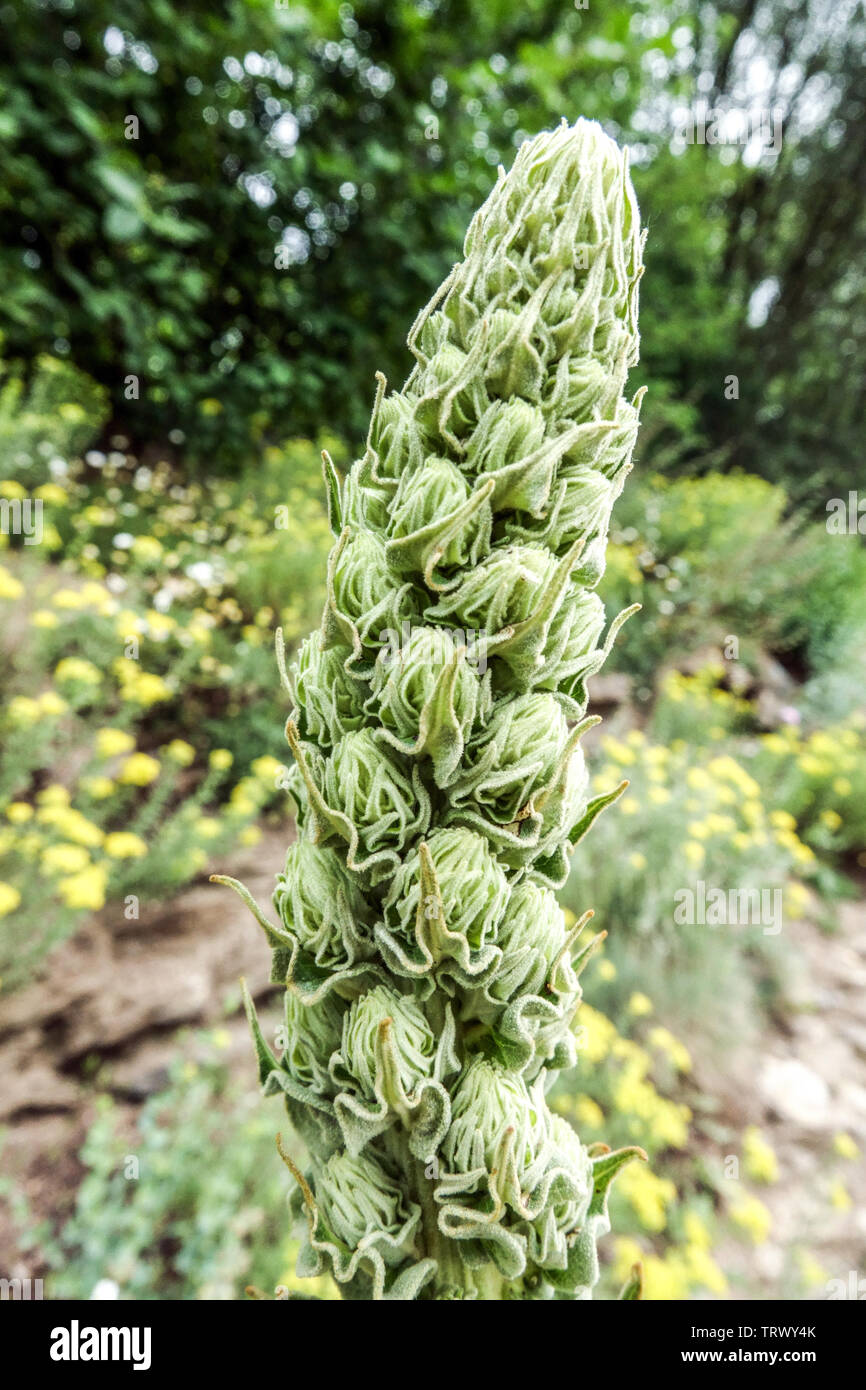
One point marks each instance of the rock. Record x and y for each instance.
(796, 1092)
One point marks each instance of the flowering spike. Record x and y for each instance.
(431, 981)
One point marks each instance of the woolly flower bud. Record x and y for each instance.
(367, 784)
(427, 517)
(499, 592)
(328, 697)
(320, 903)
(507, 432)
(489, 1101)
(362, 596)
(366, 503)
(396, 445)
(411, 1039)
(427, 696)
(472, 887)
(516, 754)
(451, 400)
(532, 936)
(313, 1033)
(357, 1198)
(571, 640)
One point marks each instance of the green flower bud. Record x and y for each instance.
(396, 444)
(451, 398)
(366, 783)
(362, 597)
(358, 1200)
(514, 756)
(472, 889)
(427, 696)
(312, 1034)
(366, 503)
(411, 1041)
(322, 906)
(501, 591)
(435, 524)
(532, 936)
(488, 1102)
(329, 699)
(571, 646)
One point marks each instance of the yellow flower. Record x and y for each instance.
(76, 669)
(68, 598)
(146, 548)
(180, 752)
(675, 1050)
(43, 617)
(53, 795)
(648, 1195)
(783, 820)
(10, 587)
(844, 1145)
(751, 1216)
(208, 827)
(637, 860)
(21, 711)
(11, 488)
(640, 1005)
(111, 742)
(659, 796)
(97, 787)
(250, 835)
(160, 624)
(72, 825)
(266, 768)
(597, 1034)
(628, 806)
(842, 786)
(759, 1158)
(221, 759)
(813, 1274)
(52, 703)
(795, 899)
(840, 1197)
(124, 844)
(85, 889)
(694, 852)
(9, 899)
(19, 811)
(588, 1113)
(831, 819)
(606, 970)
(54, 493)
(696, 1231)
(139, 770)
(64, 859)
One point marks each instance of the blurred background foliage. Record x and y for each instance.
(298, 183)
(354, 141)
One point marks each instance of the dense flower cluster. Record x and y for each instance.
(440, 785)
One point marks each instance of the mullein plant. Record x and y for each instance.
(431, 980)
